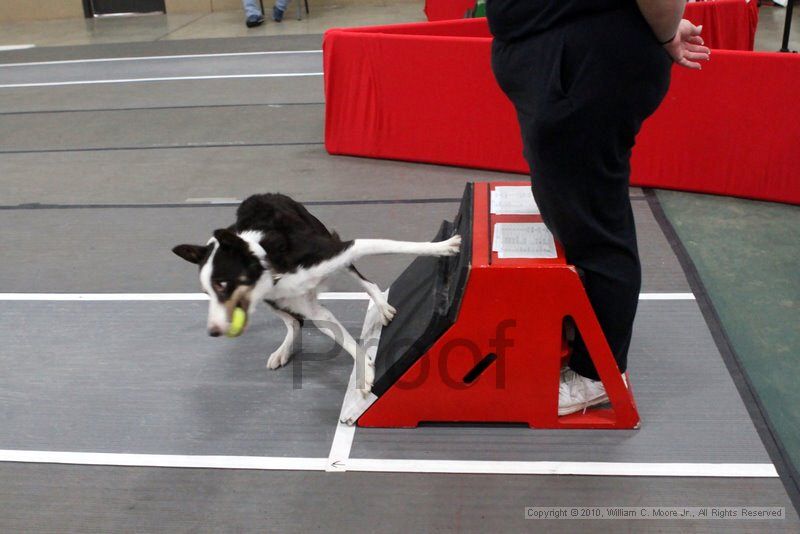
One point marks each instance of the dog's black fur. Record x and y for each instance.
(292, 236)
(277, 252)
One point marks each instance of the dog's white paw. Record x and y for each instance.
(387, 312)
(451, 247)
(279, 358)
(349, 421)
(369, 379)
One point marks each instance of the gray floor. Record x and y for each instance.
(771, 23)
(161, 128)
(149, 266)
(108, 499)
(254, 64)
(674, 368)
(143, 377)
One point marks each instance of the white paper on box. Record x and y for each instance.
(523, 240)
(513, 200)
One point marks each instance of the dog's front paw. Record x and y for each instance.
(279, 358)
(451, 247)
(369, 379)
(349, 421)
(387, 313)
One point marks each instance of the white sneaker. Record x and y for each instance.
(576, 392)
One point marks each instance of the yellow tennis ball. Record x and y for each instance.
(238, 320)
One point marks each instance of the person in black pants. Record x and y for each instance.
(583, 75)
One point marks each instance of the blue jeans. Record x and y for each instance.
(253, 7)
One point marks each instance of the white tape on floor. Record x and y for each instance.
(343, 437)
(564, 468)
(149, 58)
(666, 296)
(8, 48)
(160, 79)
(149, 297)
(214, 200)
(165, 460)
(354, 402)
(89, 297)
(346, 295)
(273, 463)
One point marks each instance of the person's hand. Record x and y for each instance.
(686, 48)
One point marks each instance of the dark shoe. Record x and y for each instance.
(254, 20)
(277, 14)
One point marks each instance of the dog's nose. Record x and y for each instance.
(214, 331)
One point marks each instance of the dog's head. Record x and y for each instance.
(231, 267)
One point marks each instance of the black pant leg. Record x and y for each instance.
(581, 93)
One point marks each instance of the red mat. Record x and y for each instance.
(729, 24)
(425, 92)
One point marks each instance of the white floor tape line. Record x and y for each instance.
(8, 48)
(354, 403)
(165, 460)
(160, 79)
(267, 463)
(666, 296)
(214, 200)
(148, 58)
(149, 297)
(93, 297)
(564, 468)
(346, 295)
(343, 438)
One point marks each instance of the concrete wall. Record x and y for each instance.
(188, 6)
(17, 10)
(13, 10)
(222, 5)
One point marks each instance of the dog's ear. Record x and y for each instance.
(227, 238)
(191, 253)
(275, 243)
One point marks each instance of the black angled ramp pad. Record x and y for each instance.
(427, 296)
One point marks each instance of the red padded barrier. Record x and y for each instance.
(728, 24)
(447, 9)
(427, 99)
(447, 28)
(716, 132)
(433, 98)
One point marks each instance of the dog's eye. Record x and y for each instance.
(219, 287)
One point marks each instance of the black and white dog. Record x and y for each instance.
(277, 252)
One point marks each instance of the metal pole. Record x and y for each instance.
(787, 26)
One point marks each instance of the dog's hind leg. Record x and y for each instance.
(309, 278)
(371, 247)
(387, 310)
(330, 326)
(283, 354)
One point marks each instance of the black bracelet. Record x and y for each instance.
(668, 40)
